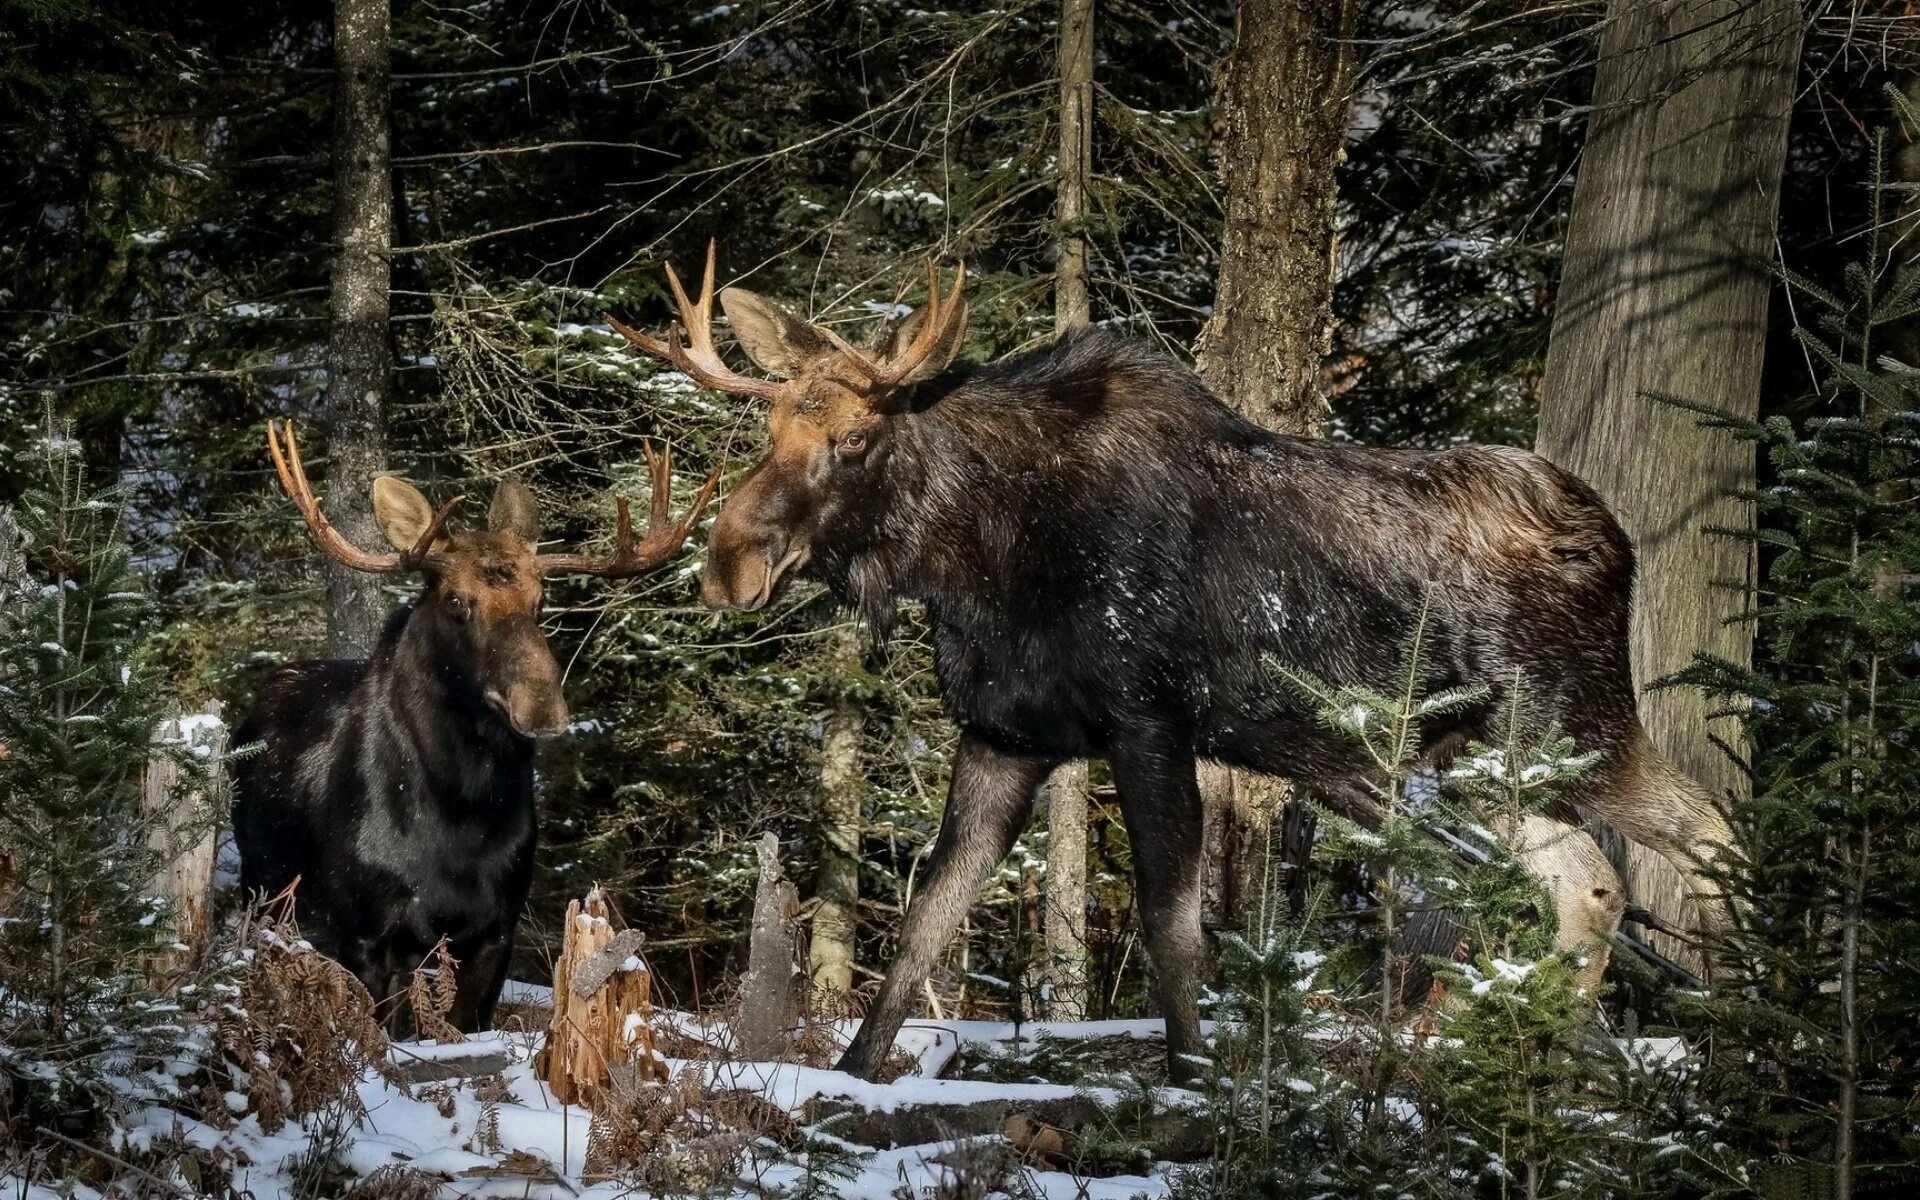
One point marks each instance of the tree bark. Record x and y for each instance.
(183, 829)
(1284, 103)
(1663, 289)
(836, 912)
(1064, 971)
(358, 357)
(1902, 340)
(766, 990)
(1065, 927)
(1071, 307)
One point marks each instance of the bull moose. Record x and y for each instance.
(398, 790)
(1112, 560)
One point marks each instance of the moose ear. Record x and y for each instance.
(778, 342)
(400, 511)
(514, 511)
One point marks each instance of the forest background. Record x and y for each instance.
(174, 263)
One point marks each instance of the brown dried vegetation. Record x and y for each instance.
(678, 1135)
(301, 1030)
(431, 999)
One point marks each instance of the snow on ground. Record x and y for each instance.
(541, 1149)
(503, 1135)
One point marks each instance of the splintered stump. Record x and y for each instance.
(766, 990)
(601, 1006)
(181, 808)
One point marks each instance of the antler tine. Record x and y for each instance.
(696, 355)
(696, 316)
(422, 553)
(660, 482)
(933, 330)
(293, 477)
(664, 534)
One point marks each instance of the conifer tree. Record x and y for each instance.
(77, 712)
(1817, 1047)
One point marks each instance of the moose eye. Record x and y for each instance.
(457, 607)
(853, 444)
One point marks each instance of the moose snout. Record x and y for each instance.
(737, 583)
(523, 686)
(533, 712)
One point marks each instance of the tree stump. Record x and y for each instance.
(601, 1006)
(766, 990)
(182, 816)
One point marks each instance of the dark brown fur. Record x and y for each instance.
(399, 790)
(1116, 565)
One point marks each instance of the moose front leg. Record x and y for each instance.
(1160, 800)
(481, 973)
(988, 801)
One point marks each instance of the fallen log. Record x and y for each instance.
(1176, 1135)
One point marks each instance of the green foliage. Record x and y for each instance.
(1325, 1085)
(1819, 978)
(77, 712)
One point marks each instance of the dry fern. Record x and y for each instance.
(432, 999)
(397, 1183)
(301, 1031)
(680, 1135)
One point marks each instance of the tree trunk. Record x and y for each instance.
(1071, 309)
(1902, 340)
(836, 914)
(1065, 927)
(183, 826)
(1284, 102)
(358, 358)
(602, 1007)
(1662, 289)
(1064, 971)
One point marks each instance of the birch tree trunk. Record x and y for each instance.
(1285, 102)
(358, 358)
(1064, 916)
(1663, 289)
(836, 915)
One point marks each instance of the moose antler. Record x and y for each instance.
(293, 477)
(697, 356)
(664, 535)
(936, 325)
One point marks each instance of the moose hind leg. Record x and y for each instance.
(1160, 800)
(988, 802)
(1584, 888)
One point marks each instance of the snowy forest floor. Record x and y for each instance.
(966, 1117)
